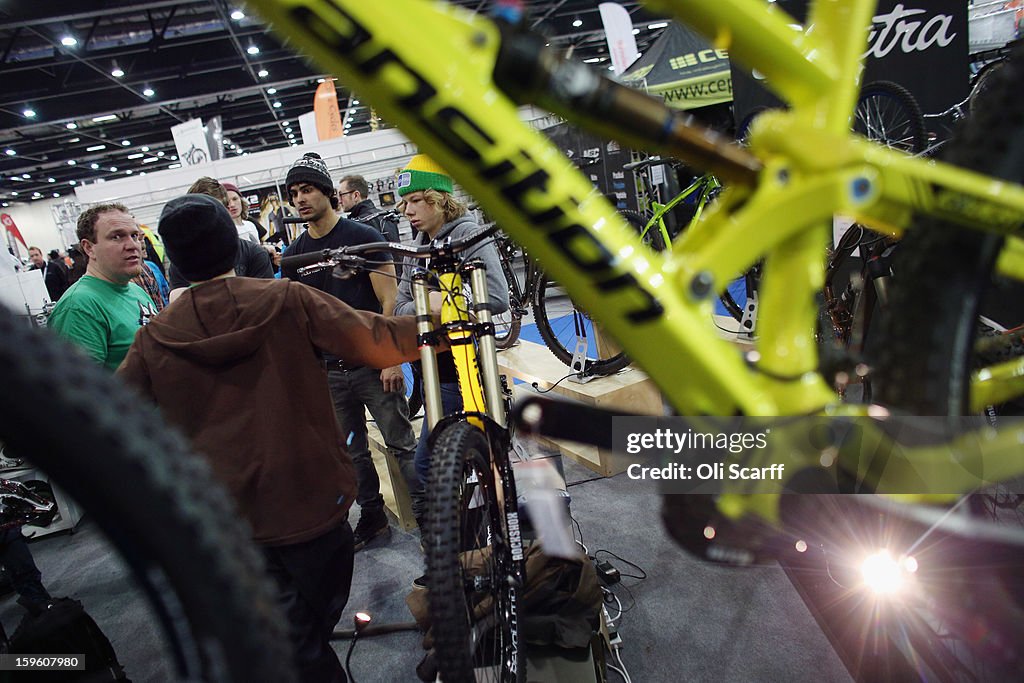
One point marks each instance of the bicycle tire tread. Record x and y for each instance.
(152, 497)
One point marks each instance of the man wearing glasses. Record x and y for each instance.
(353, 193)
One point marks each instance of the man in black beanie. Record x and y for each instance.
(355, 388)
(225, 349)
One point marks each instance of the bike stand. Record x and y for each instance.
(579, 363)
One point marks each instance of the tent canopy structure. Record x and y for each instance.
(683, 69)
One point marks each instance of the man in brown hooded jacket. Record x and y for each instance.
(221, 353)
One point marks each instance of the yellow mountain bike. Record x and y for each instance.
(451, 80)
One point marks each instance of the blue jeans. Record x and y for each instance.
(451, 402)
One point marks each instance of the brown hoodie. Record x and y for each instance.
(216, 358)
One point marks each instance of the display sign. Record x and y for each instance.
(190, 142)
(618, 29)
(919, 44)
(601, 161)
(328, 116)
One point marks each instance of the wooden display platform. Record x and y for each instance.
(392, 484)
(630, 391)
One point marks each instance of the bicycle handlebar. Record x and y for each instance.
(354, 255)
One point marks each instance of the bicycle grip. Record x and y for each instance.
(300, 260)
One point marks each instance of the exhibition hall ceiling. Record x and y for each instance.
(91, 88)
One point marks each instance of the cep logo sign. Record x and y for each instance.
(694, 58)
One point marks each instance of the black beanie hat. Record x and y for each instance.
(199, 235)
(310, 169)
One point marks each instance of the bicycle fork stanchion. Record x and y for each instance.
(455, 319)
(427, 342)
(488, 356)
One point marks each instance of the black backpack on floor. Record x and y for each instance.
(64, 628)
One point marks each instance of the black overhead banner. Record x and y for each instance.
(920, 44)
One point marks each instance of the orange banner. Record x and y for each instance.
(325, 107)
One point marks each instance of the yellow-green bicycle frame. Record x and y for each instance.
(428, 67)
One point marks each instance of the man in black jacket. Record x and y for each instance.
(353, 194)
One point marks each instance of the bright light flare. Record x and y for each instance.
(884, 574)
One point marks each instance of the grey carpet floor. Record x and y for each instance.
(687, 621)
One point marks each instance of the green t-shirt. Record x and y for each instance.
(102, 317)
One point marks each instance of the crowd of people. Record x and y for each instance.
(223, 336)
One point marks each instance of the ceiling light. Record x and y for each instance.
(291, 136)
(105, 117)
(636, 31)
(319, 80)
(128, 172)
(137, 155)
(592, 60)
(355, 101)
(174, 166)
(148, 92)
(149, 160)
(10, 152)
(5, 204)
(277, 105)
(69, 41)
(262, 73)
(51, 180)
(29, 113)
(14, 194)
(238, 15)
(142, 173)
(71, 126)
(577, 22)
(160, 153)
(113, 169)
(271, 91)
(56, 194)
(94, 166)
(144, 148)
(660, 24)
(288, 130)
(253, 50)
(95, 148)
(74, 140)
(72, 182)
(117, 72)
(174, 157)
(126, 143)
(36, 194)
(26, 176)
(71, 162)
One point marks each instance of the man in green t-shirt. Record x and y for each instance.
(104, 309)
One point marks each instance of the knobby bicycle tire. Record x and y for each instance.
(654, 239)
(155, 500)
(508, 324)
(473, 613)
(887, 113)
(926, 365)
(581, 327)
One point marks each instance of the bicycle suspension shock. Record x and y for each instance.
(532, 73)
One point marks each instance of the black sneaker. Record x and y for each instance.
(420, 582)
(370, 526)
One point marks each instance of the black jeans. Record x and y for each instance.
(354, 392)
(313, 580)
